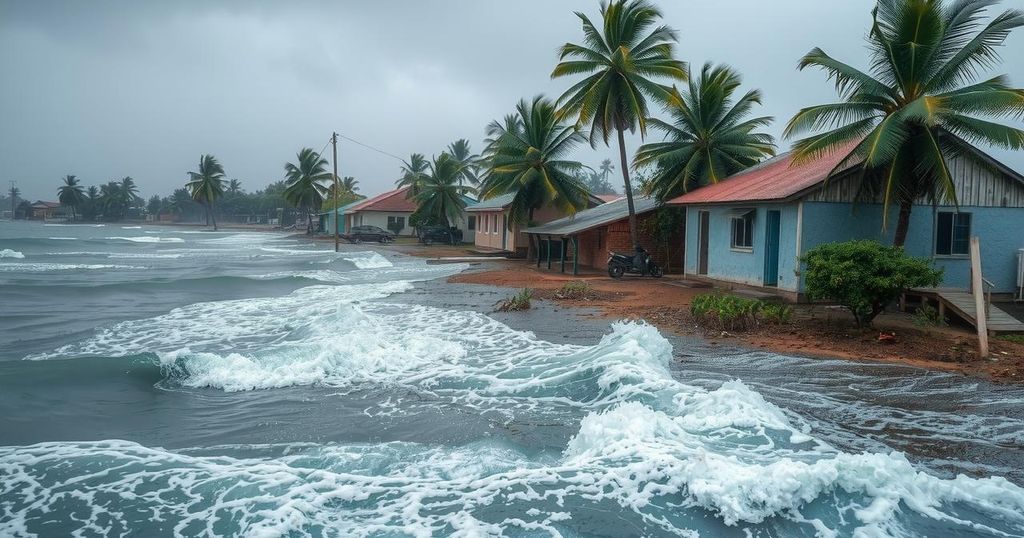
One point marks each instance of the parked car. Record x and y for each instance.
(440, 234)
(359, 234)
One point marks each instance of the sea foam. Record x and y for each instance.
(8, 253)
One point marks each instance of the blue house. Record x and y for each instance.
(751, 229)
(328, 218)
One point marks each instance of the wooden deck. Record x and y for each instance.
(961, 303)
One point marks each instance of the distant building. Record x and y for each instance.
(586, 238)
(41, 210)
(328, 218)
(391, 211)
(494, 231)
(752, 228)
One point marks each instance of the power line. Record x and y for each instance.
(367, 146)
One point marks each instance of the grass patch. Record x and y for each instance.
(517, 302)
(1015, 338)
(731, 313)
(576, 289)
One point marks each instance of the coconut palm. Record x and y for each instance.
(307, 183)
(529, 157)
(441, 193)
(234, 187)
(206, 185)
(711, 136)
(606, 168)
(70, 194)
(619, 62)
(91, 202)
(919, 104)
(14, 193)
(413, 173)
(459, 150)
(349, 184)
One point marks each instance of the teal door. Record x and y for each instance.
(771, 249)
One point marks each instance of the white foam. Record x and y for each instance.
(63, 238)
(131, 227)
(367, 260)
(76, 225)
(148, 239)
(44, 267)
(8, 253)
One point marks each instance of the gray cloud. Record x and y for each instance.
(108, 89)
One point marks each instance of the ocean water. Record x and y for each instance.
(166, 382)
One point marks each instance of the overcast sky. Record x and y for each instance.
(108, 89)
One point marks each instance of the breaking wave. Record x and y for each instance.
(8, 253)
(148, 239)
(44, 267)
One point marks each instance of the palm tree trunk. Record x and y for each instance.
(633, 232)
(902, 224)
(213, 216)
(309, 222)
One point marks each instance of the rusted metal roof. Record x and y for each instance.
(773, 180)
(393, 201)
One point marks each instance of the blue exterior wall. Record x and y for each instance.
(739, 266)
(1001, 230)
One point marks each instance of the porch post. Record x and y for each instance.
(575, 255)
(549, 251)
(561, 255)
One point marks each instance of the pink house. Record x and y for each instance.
(492, 228)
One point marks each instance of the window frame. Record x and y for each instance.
(955, 218)
(747, 220)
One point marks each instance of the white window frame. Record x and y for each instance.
(733, 244)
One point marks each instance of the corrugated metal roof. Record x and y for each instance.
(595, 217)
(344, 208)
(497, 202)
(389, 201)
(773, 180)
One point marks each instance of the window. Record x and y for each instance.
(952, 233)
(471, 222)
(396, 224)
(743, 231)
(494, 224)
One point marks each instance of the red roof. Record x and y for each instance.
(608, 197)
(774, 179)
(392, 201)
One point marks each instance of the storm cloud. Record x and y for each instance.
(108, 89)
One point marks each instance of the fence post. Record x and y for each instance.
(977, 289)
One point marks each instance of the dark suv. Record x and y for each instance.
(440, 234)
(358, 234)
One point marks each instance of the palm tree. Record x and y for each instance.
(307, 183)
(459, 150)
(528, 156)
(710, 137)
(234, 187)
(441, 192)
(918, 105)
(129, 194)
(70, 194)
(92, 202)
(207, 185)
(618, 63)
(349, 184)
(413, 173)
(606, 168)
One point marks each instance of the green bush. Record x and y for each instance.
(517, 302)
(725, 311)
(864, 276)
(927, 315)
(776, 313)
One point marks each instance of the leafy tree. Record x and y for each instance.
(441, 193)
(70, 194)
(596, 183)
(154, 206)
(900, 118)
(529, 157)
(307, 183)
(14, 193)
(711, 136)
(864, 276)
(468, 162)
(207, 184)
(91, 202)
(618, 62)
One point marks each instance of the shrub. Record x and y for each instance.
(864, 276)
(725, 311)
(927, 315)
(573, 290)
(1015, 338)
(777, 314)
(517, 302)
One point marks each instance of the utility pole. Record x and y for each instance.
(14, 198)
(334, 149)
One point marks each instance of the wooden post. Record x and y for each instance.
(562, 254)
(979, 297)
(549, 252)
(334, 149)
